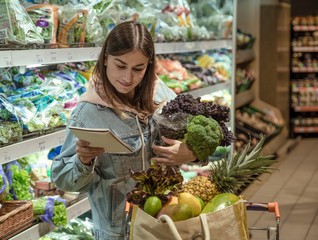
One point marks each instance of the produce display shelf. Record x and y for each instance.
(306, 108)
(40, 229)
(304, 69)
(33, 145)
(244, 56)
(244, 98)
(36, 57)
(26, 147)
(305, 129)
(210, 89)
(305, 28)
(306, 49)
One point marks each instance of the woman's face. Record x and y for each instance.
(126, 71)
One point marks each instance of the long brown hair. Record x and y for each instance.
(124, 38)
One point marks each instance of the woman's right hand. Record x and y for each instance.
(85, 153)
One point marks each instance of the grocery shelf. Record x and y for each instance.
(305, 28)
(33, 145)
(48, 141)
(304, 69)
(244, 98)
(305, 129)
(244, 56)
(305, 89)
(43, 228)
(177, 47)
(306, 108)
(275, 144)
(36, 57)
(210, 89)
(306, 49)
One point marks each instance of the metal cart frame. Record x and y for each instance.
(270, 207)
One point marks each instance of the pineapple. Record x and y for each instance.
(230, 175)
(201, 187)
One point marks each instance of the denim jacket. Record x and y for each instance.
(108, 180)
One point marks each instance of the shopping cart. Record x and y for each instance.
(270, 207)
(250, 206)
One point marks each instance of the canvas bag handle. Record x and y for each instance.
(174, 230)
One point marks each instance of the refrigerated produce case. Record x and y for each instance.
(38, 56)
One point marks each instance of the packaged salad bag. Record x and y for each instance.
(15, 24)
(45, 18)
(72, 25)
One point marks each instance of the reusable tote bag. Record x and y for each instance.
(225, 224)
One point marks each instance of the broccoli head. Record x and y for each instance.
(204, 135)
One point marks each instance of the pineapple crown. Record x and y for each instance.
(242, 169)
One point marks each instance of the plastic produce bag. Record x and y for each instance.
(51, 210)
(174, 126)
(15, 24)
(45, 17)
(72, 25)
(4, 185)
(76, 229)
(19, 180)
(10, 124)
(94, 33)
(26, 108)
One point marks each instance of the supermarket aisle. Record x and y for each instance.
(295, 188)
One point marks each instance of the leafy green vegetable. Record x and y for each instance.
(16, 25)
(159, 180)
(59, 214)
(20, 183)
(59, 210)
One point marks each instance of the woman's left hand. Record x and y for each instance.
(175, 154)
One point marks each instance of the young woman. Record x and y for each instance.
(123, 94)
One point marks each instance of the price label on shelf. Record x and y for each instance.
(6, 157)
(70, 56)
(42, 145)
(38, 59)
(53, 56)
(6, 59)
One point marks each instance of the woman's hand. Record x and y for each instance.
(177, 153)
(85, 153)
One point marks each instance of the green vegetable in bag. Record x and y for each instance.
(51, 210)
(15, 24)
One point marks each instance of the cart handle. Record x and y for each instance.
(270, 207)
(128, 206)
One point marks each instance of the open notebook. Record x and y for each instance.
(104, 138)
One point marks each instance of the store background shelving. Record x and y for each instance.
(269, 63)
(43, 57)
(303, 76)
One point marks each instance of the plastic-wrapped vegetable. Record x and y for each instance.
(10, 125)
(19, 180)
(45, 17)
(15, 24)
(72, 25)
(4, 185)
(51, 210)
(94, 33)
(76, 229)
